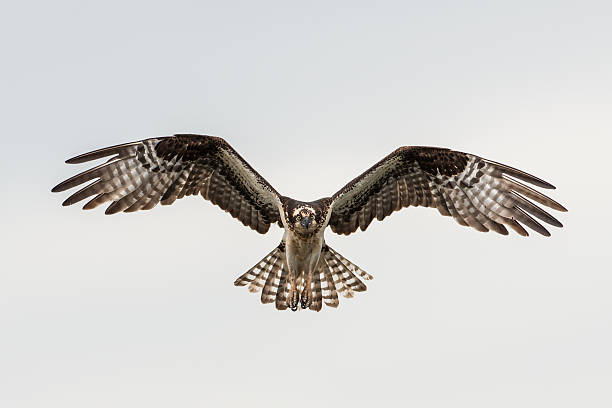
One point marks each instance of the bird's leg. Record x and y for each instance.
(293, 298)
(306, 298)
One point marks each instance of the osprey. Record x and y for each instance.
(303, 271)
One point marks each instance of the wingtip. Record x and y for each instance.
(59, 188)
(556, 206)
(554, 222)
(521, 175)
(77, 159)
(544, 184)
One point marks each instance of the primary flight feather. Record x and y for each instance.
(303, 271)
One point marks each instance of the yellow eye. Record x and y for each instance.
(298, 218)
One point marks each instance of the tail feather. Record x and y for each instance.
(328, 289)
(334, 274)
(256, 271)
(317, 297)
(349, 279)
(271, 263)
(283, 290)
(342, 270)
(351, 266)
(260, 279)
(338, 279)
(270, 289)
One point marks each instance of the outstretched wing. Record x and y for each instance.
(141, 174)
(476, 192)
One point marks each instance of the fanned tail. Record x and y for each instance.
(258, 274)
(334, 274)
(269, 275)
(351, 266)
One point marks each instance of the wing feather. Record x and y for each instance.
(476, 192)
(139, 175)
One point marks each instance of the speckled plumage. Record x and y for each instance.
(303, 271)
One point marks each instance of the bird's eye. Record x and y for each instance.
(298, 218)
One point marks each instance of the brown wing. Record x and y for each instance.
(476, 192)
(141, 174)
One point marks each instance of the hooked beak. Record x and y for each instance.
(306, 221)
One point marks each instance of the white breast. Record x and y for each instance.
(303, 255)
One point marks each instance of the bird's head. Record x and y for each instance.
(303, 219)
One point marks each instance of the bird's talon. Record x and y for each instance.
(293, 300)
(306, 299)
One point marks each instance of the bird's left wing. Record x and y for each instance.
(141, 174)
(476, 192)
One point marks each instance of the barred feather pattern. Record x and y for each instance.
(266, 275)
(476, 192)
(139, 175)
(334, 275)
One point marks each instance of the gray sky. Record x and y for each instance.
(140, 310)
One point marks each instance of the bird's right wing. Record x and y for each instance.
(141, 174)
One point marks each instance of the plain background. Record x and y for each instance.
(139, 309)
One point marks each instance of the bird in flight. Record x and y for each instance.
(303, 271)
